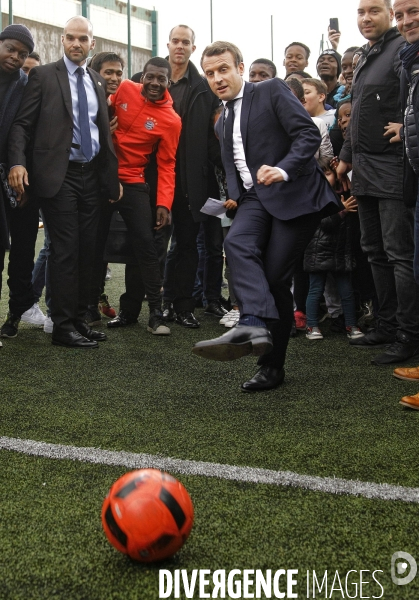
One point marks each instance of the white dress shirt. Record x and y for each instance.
(238, 148)
(93, 107)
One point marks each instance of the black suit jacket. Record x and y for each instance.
(277, 131)
(41, 135)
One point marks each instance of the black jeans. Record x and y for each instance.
(141, 278)
(387, 228)
(23, 226)
(72, 218)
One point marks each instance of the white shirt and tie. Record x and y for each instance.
(76, 154)
(238, 148)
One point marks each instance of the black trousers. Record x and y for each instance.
(261, 251)
(23, 227)
(72, 218)
(141, 278)
(182, 259)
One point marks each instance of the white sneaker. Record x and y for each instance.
(353, 333)
(33, 316)
(313, 333)
(234, 316)
(228, 316)
(48, 325)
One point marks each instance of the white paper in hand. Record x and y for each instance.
(214, 207)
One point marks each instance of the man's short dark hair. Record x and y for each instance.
(302, 74)
(35, 56)
(184, 27)
(157, 61)
(296, 86)
(267, 62)
(97, 60)
(217, 48)
(306, 48)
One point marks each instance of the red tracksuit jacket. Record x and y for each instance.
(144, 126)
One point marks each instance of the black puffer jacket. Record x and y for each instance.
(331, 246)
(410, 178)
(377, 164)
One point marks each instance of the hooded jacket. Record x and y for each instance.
(143, 127)
(377, 164)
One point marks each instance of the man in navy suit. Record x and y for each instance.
(268, 142)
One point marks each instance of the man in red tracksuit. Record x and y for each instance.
(146, 122)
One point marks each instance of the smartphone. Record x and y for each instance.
(334, 24)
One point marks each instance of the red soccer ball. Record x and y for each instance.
(148, 515)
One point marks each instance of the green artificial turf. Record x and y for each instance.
(52, 544)
(336, 415)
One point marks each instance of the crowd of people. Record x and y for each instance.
(316, 178)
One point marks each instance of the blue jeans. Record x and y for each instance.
(346, 293)
(387, 237)
(40, 273)
(209, 274)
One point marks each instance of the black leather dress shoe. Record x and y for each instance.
(72, 339)
(374, 338)
(123, 319)
(215, 309)
(240, 341)
(89, 333)
(267, 378)
(401, 350)
(187, 319)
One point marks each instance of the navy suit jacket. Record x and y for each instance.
(277, 131)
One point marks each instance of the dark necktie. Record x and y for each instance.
(228, 152)
(86, 138)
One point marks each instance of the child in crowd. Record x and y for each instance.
(330, 250)
(315, 92)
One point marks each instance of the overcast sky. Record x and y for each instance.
(248, 25)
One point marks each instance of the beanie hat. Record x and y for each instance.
(335, 55)
(19, 33)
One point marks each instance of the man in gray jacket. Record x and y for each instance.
(373, 150)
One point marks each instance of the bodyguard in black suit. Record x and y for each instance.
(60, 146)
(268, 142)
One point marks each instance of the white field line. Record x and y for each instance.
(330, 485)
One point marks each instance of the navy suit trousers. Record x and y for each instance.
(261, 251)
